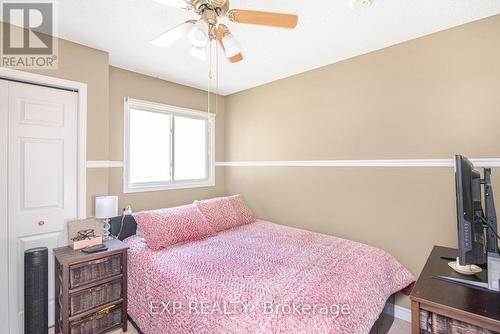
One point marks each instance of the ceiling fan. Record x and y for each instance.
(201, 32)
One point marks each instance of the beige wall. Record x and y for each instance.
(427, 98)
(123, 84)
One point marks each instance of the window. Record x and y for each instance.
(167, 147)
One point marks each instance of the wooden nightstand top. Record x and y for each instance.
(482, 304)
(66, 254)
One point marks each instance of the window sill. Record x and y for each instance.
(172, 186)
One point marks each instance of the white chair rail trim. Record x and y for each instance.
(490, 162)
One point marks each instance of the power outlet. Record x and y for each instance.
(127, 211)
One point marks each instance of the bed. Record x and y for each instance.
(261, 278)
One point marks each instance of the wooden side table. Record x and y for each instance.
(90, 289)
(437, 303)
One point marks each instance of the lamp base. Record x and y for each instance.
(106, 235)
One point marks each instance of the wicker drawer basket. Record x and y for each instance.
(94, 297)
(99, 322)
(432, 323)
(88, 272)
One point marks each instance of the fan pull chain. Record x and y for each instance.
(216, 73)
(209, 76)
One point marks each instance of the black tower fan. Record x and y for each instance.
(36, 310)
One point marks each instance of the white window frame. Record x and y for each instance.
(209, 181)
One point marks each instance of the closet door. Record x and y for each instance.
(42, 182)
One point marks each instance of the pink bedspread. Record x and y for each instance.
(261, 278)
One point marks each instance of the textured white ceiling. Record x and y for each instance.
(328, 31)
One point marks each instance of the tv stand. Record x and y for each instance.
(443, 302)
(489, 281)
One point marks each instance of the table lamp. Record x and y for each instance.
(106, 207)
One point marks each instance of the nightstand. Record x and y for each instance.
(90, 289)
(439, 306)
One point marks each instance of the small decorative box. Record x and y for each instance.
(85, 238)
(86, 243)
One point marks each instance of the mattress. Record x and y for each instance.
(261, 278)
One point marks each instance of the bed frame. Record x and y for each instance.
(129, 228)
(386, 318)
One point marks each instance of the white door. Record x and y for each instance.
(4, 276)
(42, 181)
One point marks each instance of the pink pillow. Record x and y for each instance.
(167, 227)
(223, 213)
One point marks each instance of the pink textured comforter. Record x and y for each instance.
(261, 278)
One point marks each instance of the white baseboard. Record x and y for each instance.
(402, 313)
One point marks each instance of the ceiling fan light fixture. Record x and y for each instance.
(198, 52)
(198, 35)
(231, 46)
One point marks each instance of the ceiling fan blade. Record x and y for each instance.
(174, 34)
(237, 58)
(263, 18)
(221, 30)
(174, 3)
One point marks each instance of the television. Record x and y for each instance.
(472, 244)
(477, 229)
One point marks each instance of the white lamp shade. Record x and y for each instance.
(198, 35)
(106, 207)
(231, 46)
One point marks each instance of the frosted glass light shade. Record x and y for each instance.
(106, 207)
(198, 35)
(231, 46)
